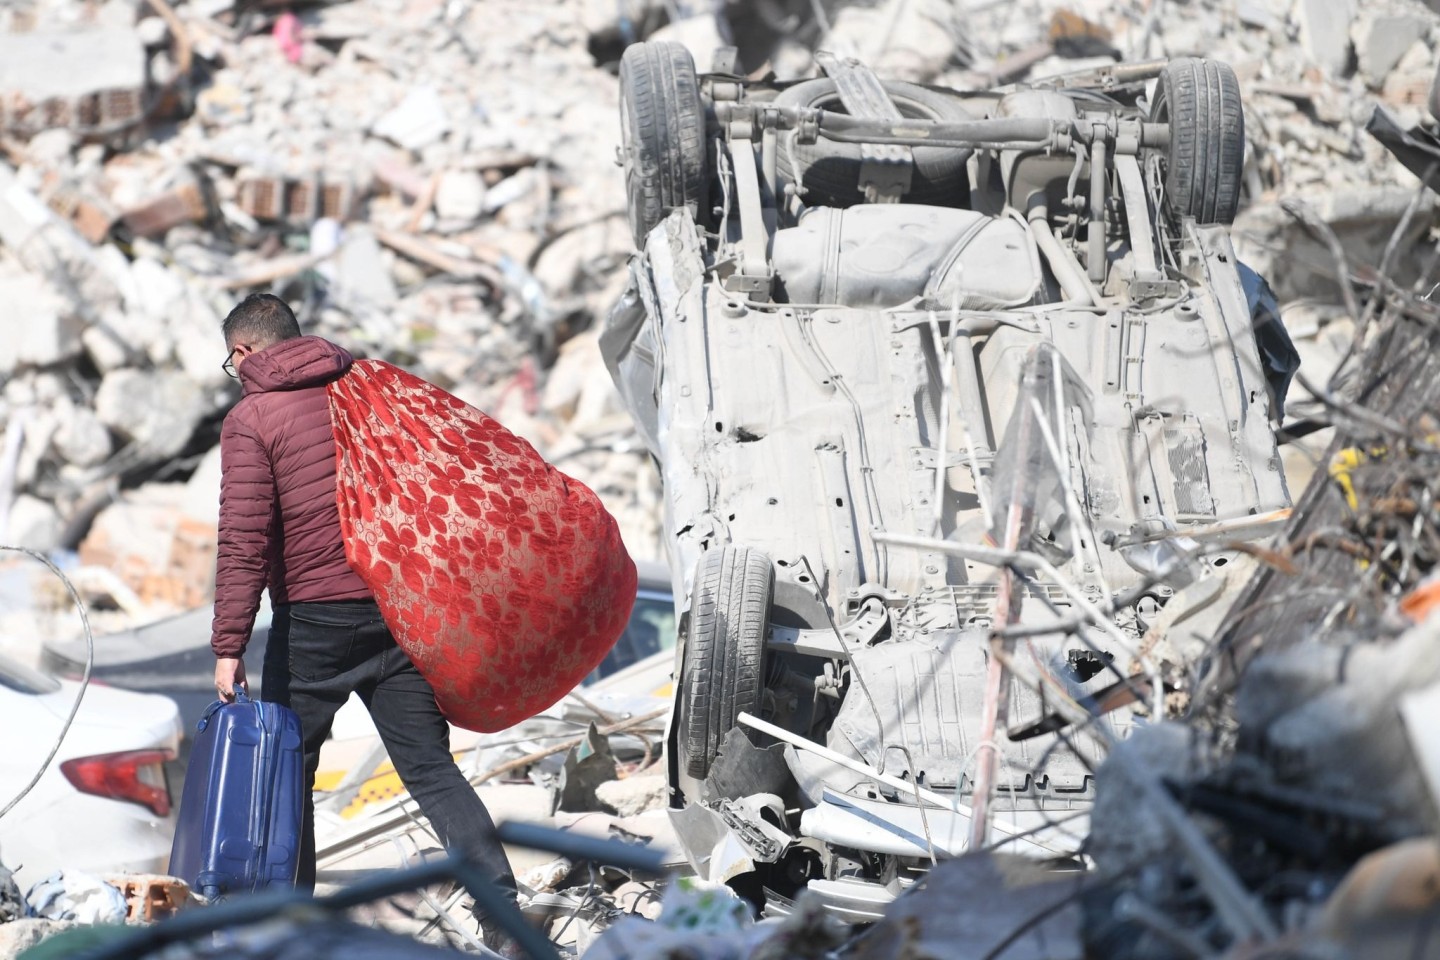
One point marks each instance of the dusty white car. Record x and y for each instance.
(103, 804)
(952, 394)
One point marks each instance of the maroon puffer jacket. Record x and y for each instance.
(279, 524)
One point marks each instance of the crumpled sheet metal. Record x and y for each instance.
(980, 906)
(1418, 149)
(882, 827)
(728, 838)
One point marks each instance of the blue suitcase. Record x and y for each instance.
(238, 829)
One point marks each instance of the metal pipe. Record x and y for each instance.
(949, 144)
(1098, 232)
(268, 904)
(993, 133)
(1067, 272)
(1091, 293)
(1033, 129)
(1010, 132)
(1240, 528)
(576, 846)
(952, 804)
(1105, 76)
(860, 767)
(994, 711)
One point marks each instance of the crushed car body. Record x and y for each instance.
(952, 396)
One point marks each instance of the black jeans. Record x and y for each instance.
(318, 653)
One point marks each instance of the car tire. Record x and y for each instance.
(662, 121)
(1204, 164)
(829, 170)
(722, 675)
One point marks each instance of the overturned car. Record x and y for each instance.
(952, 395)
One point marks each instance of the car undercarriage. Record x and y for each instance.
(953, 395)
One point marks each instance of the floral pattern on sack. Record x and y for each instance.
(504, 580)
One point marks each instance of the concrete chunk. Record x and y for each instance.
(148, 541)
(1124, 832)
(34, 524)
(81, 438)
(44, 331)
(156, 410)
(49, 246)
(45, 64)
(80, 79)
(460, 196)
(1381, 40)
(633, 795)
(362, 281)
(1261, 14)
(417, 121)
(1325, 32)
(103, 344)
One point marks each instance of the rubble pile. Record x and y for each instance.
(431, 184)
(606, 782)
(1306, 750)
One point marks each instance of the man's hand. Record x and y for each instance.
(229, 672)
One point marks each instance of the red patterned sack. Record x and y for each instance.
(504, 580)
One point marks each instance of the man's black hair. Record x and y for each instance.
(261, 320)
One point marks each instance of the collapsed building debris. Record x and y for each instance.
(1293, 751)
(220, 206)
(155, 235)
(457, 225)
(455, 218)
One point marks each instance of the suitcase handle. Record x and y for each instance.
(240, 697)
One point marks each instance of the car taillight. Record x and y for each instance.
(135, 775)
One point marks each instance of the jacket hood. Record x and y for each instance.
(293, 364)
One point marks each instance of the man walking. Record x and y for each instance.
(280, 528)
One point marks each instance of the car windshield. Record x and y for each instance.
(650, 630)
(17, 676)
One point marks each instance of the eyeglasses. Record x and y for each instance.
(229, 365)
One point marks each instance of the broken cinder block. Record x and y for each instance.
(297, 200)
(150, 897)
(91, 215)
(90, 81)
(184, 203)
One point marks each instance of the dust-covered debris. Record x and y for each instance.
(433, 184)
(256, 146)
(422, 184)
